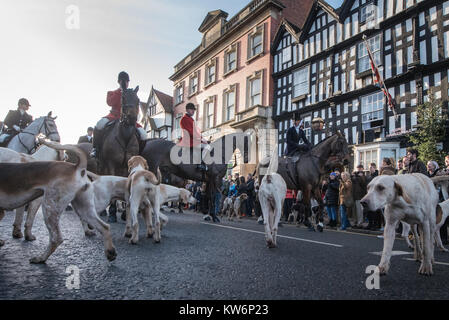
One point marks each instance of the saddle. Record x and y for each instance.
(5, 138)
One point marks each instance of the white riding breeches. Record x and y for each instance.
(142, 133)
(102, 123)
(3, 137)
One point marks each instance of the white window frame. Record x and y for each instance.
(372, 110)
(229, 105)
(305, 82)
(362, 53)
(179, 93)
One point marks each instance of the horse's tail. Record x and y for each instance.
(82, 158)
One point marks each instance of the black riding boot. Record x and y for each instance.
(97, 141)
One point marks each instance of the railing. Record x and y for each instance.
(253, 5)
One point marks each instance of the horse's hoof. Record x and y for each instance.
(2, 243)
(17, 233)
(270, 244)
(320, 228)
(132, 241)
(149, 235)
(111, 254)
(37, 260)
(30, 237)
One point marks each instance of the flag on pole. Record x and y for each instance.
(377, 80)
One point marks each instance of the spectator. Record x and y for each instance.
(346, 199)
(415, 165)
(400, 166)
(251, 195)
(332, 199)
(373, 171)
(243, 188)
(237, 180)
(443, 229)
(374, 217)
(232, 189)
(226, 185)
(387, 168)
(432, 168)
(288, 203)
(358, 191)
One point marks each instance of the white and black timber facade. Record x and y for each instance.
(323, 71)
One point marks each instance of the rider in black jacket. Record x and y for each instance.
(296, 138)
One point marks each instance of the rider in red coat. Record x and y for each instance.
(191, 135)
(114, 100)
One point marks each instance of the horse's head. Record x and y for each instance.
(339, 148)
(48, 127)
(130, 106)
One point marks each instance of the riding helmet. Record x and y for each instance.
(123, 76)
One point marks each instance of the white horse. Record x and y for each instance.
(25, 141)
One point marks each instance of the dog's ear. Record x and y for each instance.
(401, 193)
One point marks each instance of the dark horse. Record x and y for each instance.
(120, 142)
(159, 153)
(305, 174)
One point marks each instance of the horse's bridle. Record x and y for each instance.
(47, 132)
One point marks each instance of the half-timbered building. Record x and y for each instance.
(324, 71)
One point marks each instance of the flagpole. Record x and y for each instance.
(380, 80)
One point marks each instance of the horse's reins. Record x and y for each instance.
(30, 151)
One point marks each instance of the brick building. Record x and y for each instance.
(229, 75)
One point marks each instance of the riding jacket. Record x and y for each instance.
(189, 128)
(16, 118)
(293, 139)
(114, 100)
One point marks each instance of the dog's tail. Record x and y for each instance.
(82, 158)
(439, 179)
(151, 178)
(274, 162)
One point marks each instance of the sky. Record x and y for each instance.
(64, 55)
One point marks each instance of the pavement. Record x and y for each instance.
(197, 259)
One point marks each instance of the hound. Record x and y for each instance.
(142, 186)
(442, 213)
(43, 153)
(171, 193)
(236, 206)
(413, 199)
(228, 205)
(58, 183)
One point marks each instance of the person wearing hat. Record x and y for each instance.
(114, 100)
(191, 135)
(16, 120)
(88, 137)
(296, 138)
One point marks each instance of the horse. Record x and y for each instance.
(120, 141)
(306, 173)
(25, 141)
(160, 153)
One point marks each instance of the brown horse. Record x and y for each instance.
(120, 140)
(305, 174)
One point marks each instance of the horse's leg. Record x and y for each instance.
(17, 225)
(212, 191)
(2, 214)
(319, 214)
(306, 200)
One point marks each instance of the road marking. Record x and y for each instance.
(280, 236)
(393, 253)
(436, 262)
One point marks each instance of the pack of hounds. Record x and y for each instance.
(43, 180)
